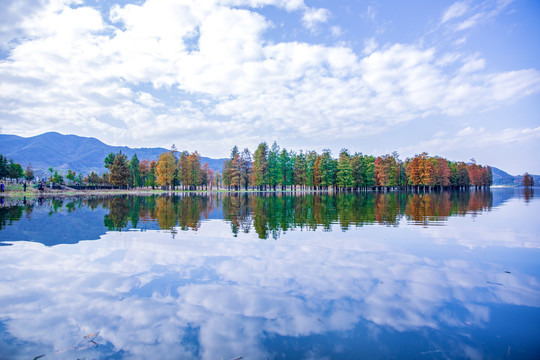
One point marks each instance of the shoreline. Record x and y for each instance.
(72, 192)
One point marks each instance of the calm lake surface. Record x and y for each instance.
(353, 276)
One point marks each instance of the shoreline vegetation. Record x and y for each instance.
(17, 191)
(267, 169)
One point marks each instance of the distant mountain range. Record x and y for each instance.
(85, 154)
(503, 178)
(81, 154)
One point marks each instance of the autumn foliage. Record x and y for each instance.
(273, 168)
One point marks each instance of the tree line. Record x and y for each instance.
(273, 168)
(14, 171)
(173, 170)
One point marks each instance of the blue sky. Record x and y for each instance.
(456, 79)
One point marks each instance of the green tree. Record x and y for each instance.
(463, 180)
(120, 171)
(232, 174)
(260, 166)
(93, 178)
(226, 171)
(300, 170)
(219, 179)
(183, 169)
(194, 170)
(344, 175)
(15, 170)
(286, 170)
(4, 168)
(135, 172)
(109, 160)
(151, 178)
(57, 178)
(311, 160)
(274, 168)
(71, 175)
(328, 167)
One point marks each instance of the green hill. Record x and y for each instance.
(81, 154)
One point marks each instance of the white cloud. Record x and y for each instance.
(336, 31)
(371, 12)
(470, 139)
(79, 72)
(313, 17)
(370, 45)
(455, 10)
(475, 15)
(473, 64)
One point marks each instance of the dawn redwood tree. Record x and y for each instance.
(144, 170)
(120, 171)
(463, 180)
(427, 170)
(475, 174)
(234, 173)
(386, 170)
(527, 180)
(151, 178)
(286, 170)
(311, 159)
(259, 175)
(246, 167)
(193, 164)
(344, 174)
(183, 169)
(443, 174)
(165, 169)
(487, 176)
(274, 168)
(300, 175)
(328, 168)
(135, 174)
(219, 180)
(368, 165)
(317, 172)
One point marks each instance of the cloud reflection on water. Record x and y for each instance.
(207, 295)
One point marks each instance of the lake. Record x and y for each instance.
(272, 276)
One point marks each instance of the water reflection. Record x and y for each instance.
(391, 291)
(269, 215)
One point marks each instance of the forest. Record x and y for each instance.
(275, 169)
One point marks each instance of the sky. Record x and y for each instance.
(455, 79)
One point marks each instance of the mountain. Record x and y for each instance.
(503, 178)
(86, 154)
(81, 154)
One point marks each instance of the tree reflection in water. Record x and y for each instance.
(268, 214)
(271, 214)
